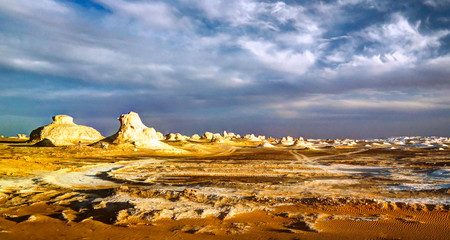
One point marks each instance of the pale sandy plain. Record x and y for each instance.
(374, 189)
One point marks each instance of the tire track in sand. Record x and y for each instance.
(310, 162)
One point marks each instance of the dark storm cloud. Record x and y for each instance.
(271, 67)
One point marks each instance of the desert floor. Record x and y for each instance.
(222, 191)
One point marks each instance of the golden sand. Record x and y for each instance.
(221, 191)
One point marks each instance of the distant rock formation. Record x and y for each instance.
(181, 137)
(208, 135)
(265, 144)
(287, 140)
(176, 137)
(252, 137)
(171, 137)
(217, 138)
(229, 135)
(194, 137)
(22, 136)
(63, 131)
(133, 131)
(299, 142)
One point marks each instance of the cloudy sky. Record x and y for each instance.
(341, 68)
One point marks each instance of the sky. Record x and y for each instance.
(317, 69)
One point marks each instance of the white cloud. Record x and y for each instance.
(361, 101)
(241, 13)
(33, 7)
(399, 35)
(437, 3)
(152, 14)
(237, 12)
(93, 54)
(337, 57)
(349, 2)
(284, 12)
(279, 59)
(391, 46)
(156, 67)
(442, 62)
(296, 39)
(33, 65)
(378, 64)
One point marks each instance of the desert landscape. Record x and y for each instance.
(224, 119)
(66, 181)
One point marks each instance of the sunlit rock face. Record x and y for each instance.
(133, 131)
(63, 131)
(208, 135)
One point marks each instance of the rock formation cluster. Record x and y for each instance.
(63, 131)
(22, 136)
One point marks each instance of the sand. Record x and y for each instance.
(233, 190)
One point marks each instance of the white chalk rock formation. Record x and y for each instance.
(217, 138)
(160, 136)
(176, 137)
(251, 137)
(133, 131)
(207, 135)
(180, 137)
(170, 137)
(231, 135)
(265, 144)
(63, 131)
(225, 134)
(22, 136)
(194, 137)
(299, 142)
(228, 135)
(287, 140)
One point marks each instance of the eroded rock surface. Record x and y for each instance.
(133, 131)
(63, 131)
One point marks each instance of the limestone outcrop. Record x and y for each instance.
(265, 144)
(299, 142)
(22, 136)
(252, 137)
(63, 131)
(287, 140)
(194, 137)
(181, 137)
(160, 136)
(217, 138)
(171, 137)
(176, 137)
(229, 135)
(208, 135)
(134, 132)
